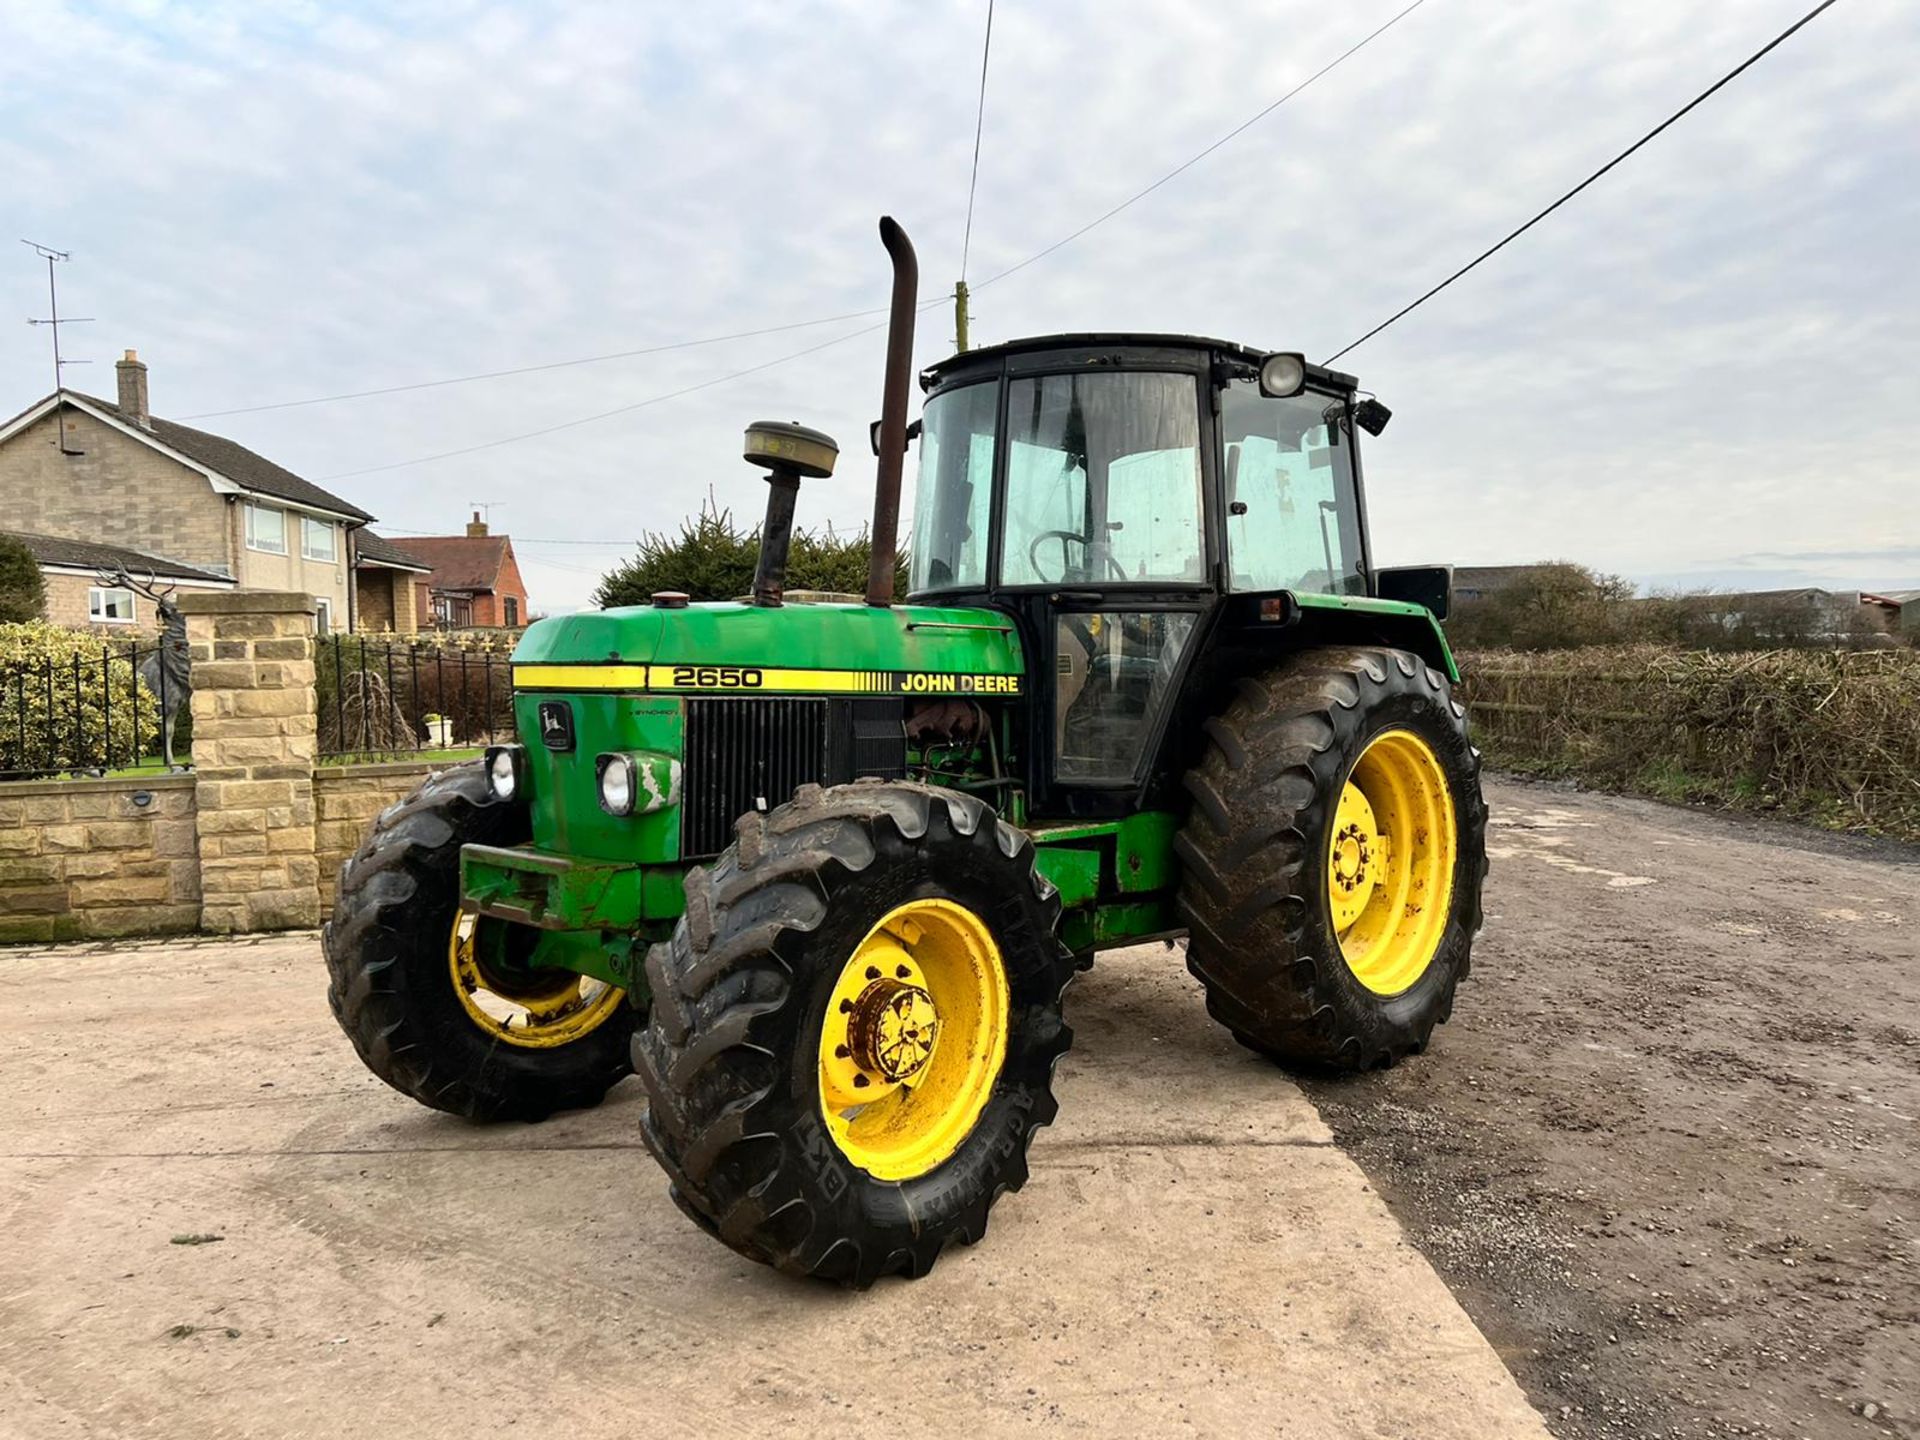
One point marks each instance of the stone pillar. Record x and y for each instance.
(254, 739)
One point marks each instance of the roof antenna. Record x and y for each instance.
(54, 322)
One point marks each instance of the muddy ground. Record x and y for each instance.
(1666, 1153)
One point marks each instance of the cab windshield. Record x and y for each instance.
(1103, 483)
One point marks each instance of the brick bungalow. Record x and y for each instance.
(475, 582)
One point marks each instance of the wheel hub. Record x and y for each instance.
(892, 1029)
(912, 1038)
(1354, 858)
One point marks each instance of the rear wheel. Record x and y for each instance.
(1333, 858)
(854, 1030)
(443, 1006)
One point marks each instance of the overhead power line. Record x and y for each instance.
(1186, 165)
(1677, 115)
(979, 123)
(623, 409)
(535, 369)
(651, 400)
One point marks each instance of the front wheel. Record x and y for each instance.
(444, 1007)
(854, 1030)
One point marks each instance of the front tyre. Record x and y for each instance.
(1333, 858)
(440, 1005)
(854, 1030)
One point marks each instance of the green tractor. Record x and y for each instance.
(819, 872)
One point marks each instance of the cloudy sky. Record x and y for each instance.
(1702, 371)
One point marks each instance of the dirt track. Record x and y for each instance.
(1666, 1153)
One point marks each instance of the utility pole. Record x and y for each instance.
(960, 317)
(53, 322)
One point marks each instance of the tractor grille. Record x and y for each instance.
(746, 755)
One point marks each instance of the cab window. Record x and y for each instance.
(1293, 514)
(954, 495)
(1103, 480)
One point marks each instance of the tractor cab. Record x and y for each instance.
(1132, 501)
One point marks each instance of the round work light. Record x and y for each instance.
(1283, 374)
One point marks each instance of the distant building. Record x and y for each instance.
(475, 583)
(87, 471)
(1896, 612)
(389, 586)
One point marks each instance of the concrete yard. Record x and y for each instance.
(1192, 1254)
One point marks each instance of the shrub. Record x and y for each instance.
(23, 592)
(712, 559)
(68, 702)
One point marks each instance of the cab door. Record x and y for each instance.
(1104, 547)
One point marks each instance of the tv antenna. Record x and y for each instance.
(486, 508)
(53, 322)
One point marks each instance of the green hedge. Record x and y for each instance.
(69, 702)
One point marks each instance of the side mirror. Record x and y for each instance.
(1428, 585)
(873, 434)
(1371, 416)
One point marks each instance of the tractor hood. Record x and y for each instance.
(649, 646)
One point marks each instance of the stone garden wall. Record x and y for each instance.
(93, 859)
(252, 839)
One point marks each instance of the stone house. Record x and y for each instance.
(78, 468)
(475, 584)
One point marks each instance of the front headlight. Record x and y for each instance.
(638, 782)
(616, 784)
(503, 771)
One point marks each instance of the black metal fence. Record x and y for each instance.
(89, 711)
(379, 699)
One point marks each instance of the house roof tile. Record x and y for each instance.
(462, 562)
(90, 555)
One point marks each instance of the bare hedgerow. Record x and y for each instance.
(1831, 734)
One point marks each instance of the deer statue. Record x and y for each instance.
(164, 671)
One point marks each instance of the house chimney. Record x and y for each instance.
(132, 375)
(476, 527)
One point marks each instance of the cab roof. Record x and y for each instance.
(1086, 340)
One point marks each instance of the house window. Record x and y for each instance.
(513, 612)
(109, 606)
(322, 615)
(316, 539)
(266, 530)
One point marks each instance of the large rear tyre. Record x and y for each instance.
(854, 1030)
(440, 1006)
(1333, 859)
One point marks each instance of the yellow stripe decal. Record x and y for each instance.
(746, 679)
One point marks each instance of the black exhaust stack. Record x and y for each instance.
(893, 412)
(787, 450)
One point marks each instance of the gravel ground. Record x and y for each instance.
(1666, 1152)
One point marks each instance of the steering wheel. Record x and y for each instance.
(1066, 538)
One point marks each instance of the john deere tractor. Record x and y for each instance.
(819, 871)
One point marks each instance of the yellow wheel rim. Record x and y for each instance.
(536, 1011)
(1390, 862)
(914, 1038)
